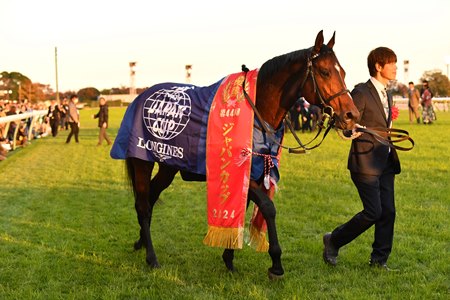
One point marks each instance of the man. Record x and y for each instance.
(306, 116)
(372, 166)
(54, 114)
(413, 103)
(102, 116)
(74, 119)
(316, 116)
(294, 113)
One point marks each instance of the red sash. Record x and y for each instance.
(230, 131)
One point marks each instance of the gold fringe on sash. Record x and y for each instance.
(225, 237)
(258, 239)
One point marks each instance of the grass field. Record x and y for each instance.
(67, 226)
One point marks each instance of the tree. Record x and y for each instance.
(89, 93)
(438, 82)
(12, 83)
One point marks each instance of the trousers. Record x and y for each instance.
(377, 196)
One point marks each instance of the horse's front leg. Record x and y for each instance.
(267, 208)
(228, 256)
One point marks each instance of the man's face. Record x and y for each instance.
(389, 71)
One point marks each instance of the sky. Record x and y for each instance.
(97, 39)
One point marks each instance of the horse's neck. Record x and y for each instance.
(275, 98)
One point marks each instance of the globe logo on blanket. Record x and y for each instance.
(166, 112)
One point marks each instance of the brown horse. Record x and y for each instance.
(314, 73)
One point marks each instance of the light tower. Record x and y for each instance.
(132, 78)
(447, 62)
(188, 73)
(406, 69)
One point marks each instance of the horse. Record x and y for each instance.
(313, 73)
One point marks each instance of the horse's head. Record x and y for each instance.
(324, 84)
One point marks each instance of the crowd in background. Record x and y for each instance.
(305, 116)
(38, 129)
(60, 115)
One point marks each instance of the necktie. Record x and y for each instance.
(384, 101)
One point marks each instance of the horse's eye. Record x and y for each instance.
(324, 73)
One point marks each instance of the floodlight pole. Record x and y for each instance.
(447, 62)
(56, 74)
(132, 78)
(188, 73)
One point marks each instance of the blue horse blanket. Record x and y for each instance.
(153, 122)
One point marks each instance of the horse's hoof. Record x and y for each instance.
(231, 268)
(273, 276)
(229, 265)
(228, 260)
(154, 265)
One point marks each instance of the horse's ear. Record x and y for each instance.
(331, 42)
(319, 42)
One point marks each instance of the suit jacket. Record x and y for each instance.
(102, 115)
(367, 155)
(73, 113)
(53, 113)
(414, 98)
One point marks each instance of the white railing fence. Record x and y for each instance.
(34, 116)
(439, 103)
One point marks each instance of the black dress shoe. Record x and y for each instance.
(381, 266)
(330, 252)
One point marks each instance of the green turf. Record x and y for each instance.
(67, 226)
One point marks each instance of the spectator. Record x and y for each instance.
(74, 119)
(21, 137)
(102, 116)
(64, 114)
(316, 116)
(294, 113)
(428, 115)
(54, 115)
(12, 125)
(2, 125)
(306, 116)
(413, 103)
(4, 145)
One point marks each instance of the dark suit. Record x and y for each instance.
(54, 114)
(305, 112)
(373, 167)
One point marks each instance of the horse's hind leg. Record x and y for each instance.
(159, 183)
(267, 208)
(146, 192)
(140, 172)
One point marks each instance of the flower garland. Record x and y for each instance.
(394, 112)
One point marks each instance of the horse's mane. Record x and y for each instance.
(275, 64)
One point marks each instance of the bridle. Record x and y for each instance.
(310, 73)
(328, 112)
